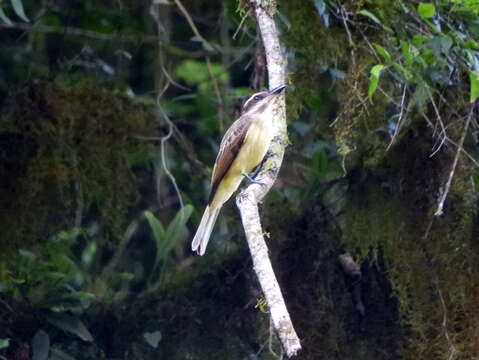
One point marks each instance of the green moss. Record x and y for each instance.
(66, 151)
(429, 259)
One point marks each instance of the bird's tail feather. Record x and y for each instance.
(205, 228)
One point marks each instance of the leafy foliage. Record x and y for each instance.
(95, 261)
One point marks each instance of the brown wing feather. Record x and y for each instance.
(229, 148)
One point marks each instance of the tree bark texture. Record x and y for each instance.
(247, 201)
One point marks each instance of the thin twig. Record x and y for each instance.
(243, 19)
(452, 349)
(443, 197)
(163, 142)
(399, 123)
(449, 140)
(436, 110)
(345, 22)
(217, 92)
(192, 25)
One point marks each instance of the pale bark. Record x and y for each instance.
(247, 201)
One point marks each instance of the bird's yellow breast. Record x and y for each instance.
(255, 146)
(252, 151)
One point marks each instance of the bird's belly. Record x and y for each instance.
(252, 151)
(254, 148)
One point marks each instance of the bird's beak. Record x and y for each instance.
(277, 90)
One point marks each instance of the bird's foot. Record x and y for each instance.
(251, 180)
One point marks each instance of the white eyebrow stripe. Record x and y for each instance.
(245, 105)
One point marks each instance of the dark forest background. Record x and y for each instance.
(111, 113)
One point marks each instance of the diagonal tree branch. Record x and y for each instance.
(442, 199)
(247, 201)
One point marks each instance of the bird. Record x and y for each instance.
(242, 148)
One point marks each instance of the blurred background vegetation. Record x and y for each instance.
(111, 113)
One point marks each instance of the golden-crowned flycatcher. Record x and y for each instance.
(243, 147)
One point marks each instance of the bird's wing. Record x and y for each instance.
(229, 148)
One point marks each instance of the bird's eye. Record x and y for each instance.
(257, 97)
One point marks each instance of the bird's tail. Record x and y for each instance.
(203, 233)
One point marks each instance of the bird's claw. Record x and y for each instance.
(251, 180)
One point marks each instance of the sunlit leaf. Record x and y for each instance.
(419, 40)
(382, 51)
(194, 72)
(371, 16)
(373, 82)
(18, 8)
(426, 11)
(406, 51)
(474, 82)
(70, 324)
(40, 345)
(471, 44)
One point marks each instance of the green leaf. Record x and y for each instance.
(370, 15)
(4, 17)
(440, 44)
(166, 240)
(153, 338)
(471, 44)
(70, 324)
(373, 82)
(40, 345)
(475, 179)
(88, 254)
(474, 79)
(406, 51)
(28, 255)
(406, 73)
(382, 51)
(320, 162)
(421, 94)
(4, 343)
(194, 72)
(176, 226)
(157, 228)
(18, 8)
(426, 11)
(419, 40)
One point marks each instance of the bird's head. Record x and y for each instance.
(261, 101)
